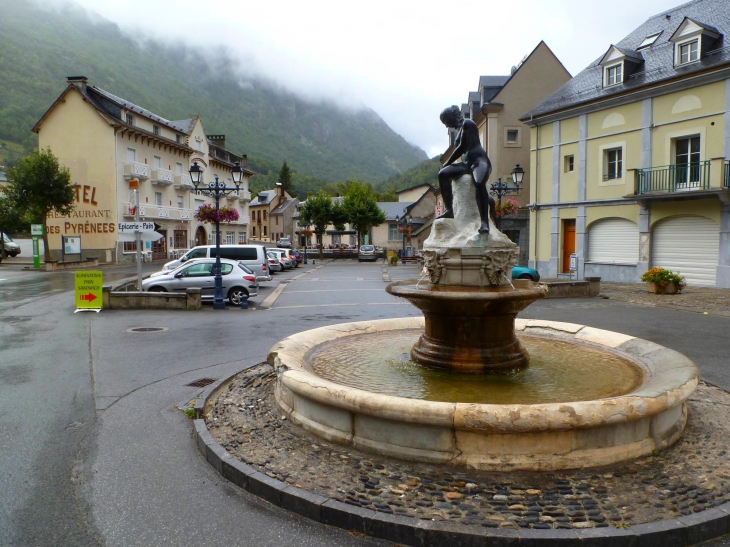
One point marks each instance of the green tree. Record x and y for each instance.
(285, 178)
(10, 220)
(38, 186)
(362, 210)
(339, 216)
(388, 195)
(317, 212)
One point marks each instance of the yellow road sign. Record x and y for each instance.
(88, 290)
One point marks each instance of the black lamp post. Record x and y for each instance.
(306, 238)
(501, 188)
(403, 222)
(216, 189)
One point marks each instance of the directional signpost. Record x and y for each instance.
(127, 231)
(88, 290)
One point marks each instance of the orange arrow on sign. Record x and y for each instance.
(90, 297)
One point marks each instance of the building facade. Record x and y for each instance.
(496, 109)
(272, 215)
(106, 142)
(630, 157)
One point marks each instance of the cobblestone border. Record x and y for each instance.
(679, 532)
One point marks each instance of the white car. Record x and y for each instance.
(281, 257)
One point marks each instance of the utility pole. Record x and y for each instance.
(137, 237)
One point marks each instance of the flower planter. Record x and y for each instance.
(656, 288)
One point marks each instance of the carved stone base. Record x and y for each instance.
(471, 267)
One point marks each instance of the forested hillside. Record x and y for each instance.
(424, 172)
(319, 141)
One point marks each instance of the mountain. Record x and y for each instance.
(320, 141)
(424, 172)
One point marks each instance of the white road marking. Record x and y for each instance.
(345, 305)
(269, 300)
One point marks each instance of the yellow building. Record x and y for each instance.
(106, 141)
(630, 157)
(496, 109)
(272, 213)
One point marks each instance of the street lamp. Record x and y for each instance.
(403, 223)
(216, 189)
(503, 188)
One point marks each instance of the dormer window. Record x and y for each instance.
(129, 119)
(649, 40)
(691, 40)
(614, 74)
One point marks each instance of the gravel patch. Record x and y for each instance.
(690, 477)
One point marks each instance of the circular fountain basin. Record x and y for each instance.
(645, 411)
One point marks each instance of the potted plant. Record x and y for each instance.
(393, 260)
(663, 281)
(509, 207)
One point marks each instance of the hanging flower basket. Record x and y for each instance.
(404, 230)
(306, 231)
(509, 207)
(208, 213)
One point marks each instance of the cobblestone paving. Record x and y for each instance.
(691, 476)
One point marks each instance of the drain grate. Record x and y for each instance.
(202, 382)
(147, 329)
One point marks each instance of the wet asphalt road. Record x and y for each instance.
(94, 451)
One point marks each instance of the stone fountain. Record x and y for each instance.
(458, 385)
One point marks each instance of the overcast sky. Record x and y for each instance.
(406, 59)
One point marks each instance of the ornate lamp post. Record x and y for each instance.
(216, 189)
(403, 223)
(501, 188)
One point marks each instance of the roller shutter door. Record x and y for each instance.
(688, 245)
(613, 241)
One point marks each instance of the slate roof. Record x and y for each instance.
(106, 96)
(262, 198)
(415, 186)
(492, 81)
(284, 206)
(394, 208)
(658, 62)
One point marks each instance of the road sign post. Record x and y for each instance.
(36, 230)
(88, 290)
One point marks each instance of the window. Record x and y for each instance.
(393, 233)
(131, 154)
(689, 52)
(649, 40)
(253, 231)
(129, 119)
(178, 139)
(264, 231)
(198, 145)
(614, 74)
(568, 163)
(130, 246)
(511, 136)
(156, 129)
(277, 220)
(513, 235)
(264, 215)
(613, 161)
(687, 159)
(198, 253)
(158, 198)
(180, 239)
(178, 168)
(199, 270)
(157, 162)
(230, 238)
(241, 237)
(179, 202)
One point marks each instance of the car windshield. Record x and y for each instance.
(366, 248)
(6, 237)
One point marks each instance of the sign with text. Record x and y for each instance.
(36, 229)
(87, 287)
(71, 245)
(127, 231)
(573, 262)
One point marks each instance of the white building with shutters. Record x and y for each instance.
(630, 158)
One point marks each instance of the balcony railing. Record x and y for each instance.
(233, 195)
(183, 182)
(134, 170)
(726, 174)
(156, 211)
(244, 195)
(163, 177)
(674, 178)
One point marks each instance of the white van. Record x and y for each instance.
(253, 256)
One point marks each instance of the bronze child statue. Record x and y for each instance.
(476, 162)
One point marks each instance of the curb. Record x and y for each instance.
(680, 532)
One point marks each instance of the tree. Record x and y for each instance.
(10, 219)
(317, 212)
(38, 186)
(285, 178)
(362, 210)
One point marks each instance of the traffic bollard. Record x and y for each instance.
(244, 302)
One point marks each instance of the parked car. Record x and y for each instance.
(297, 256)
(283, 258)
(274, 264)
(367, 252)
(253, 256)
(521, 272)
(238, 279)
(291, 254)
(284, 243)
(12, 249)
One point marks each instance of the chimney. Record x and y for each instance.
(79, 81)
(280, 193)
(218, 140)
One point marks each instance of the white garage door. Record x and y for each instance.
(688, 245)
(613, 241)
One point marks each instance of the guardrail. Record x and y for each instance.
(674, 178)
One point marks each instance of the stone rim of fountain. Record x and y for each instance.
(598, 432)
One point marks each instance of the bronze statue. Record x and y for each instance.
(476, 162)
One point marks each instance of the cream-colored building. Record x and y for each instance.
(417, 204)
(106, 141)
(496, 110)
(630, 157)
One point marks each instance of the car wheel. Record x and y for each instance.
(236, 294)
(158, 289)
(12, 255)
(525, 276)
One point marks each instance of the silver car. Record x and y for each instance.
(367, 252)
(283, 258)
(12, 249)
(238, 279)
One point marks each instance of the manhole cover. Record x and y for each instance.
(147, 329)
(202, 382)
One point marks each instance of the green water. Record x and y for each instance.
(559, 371)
